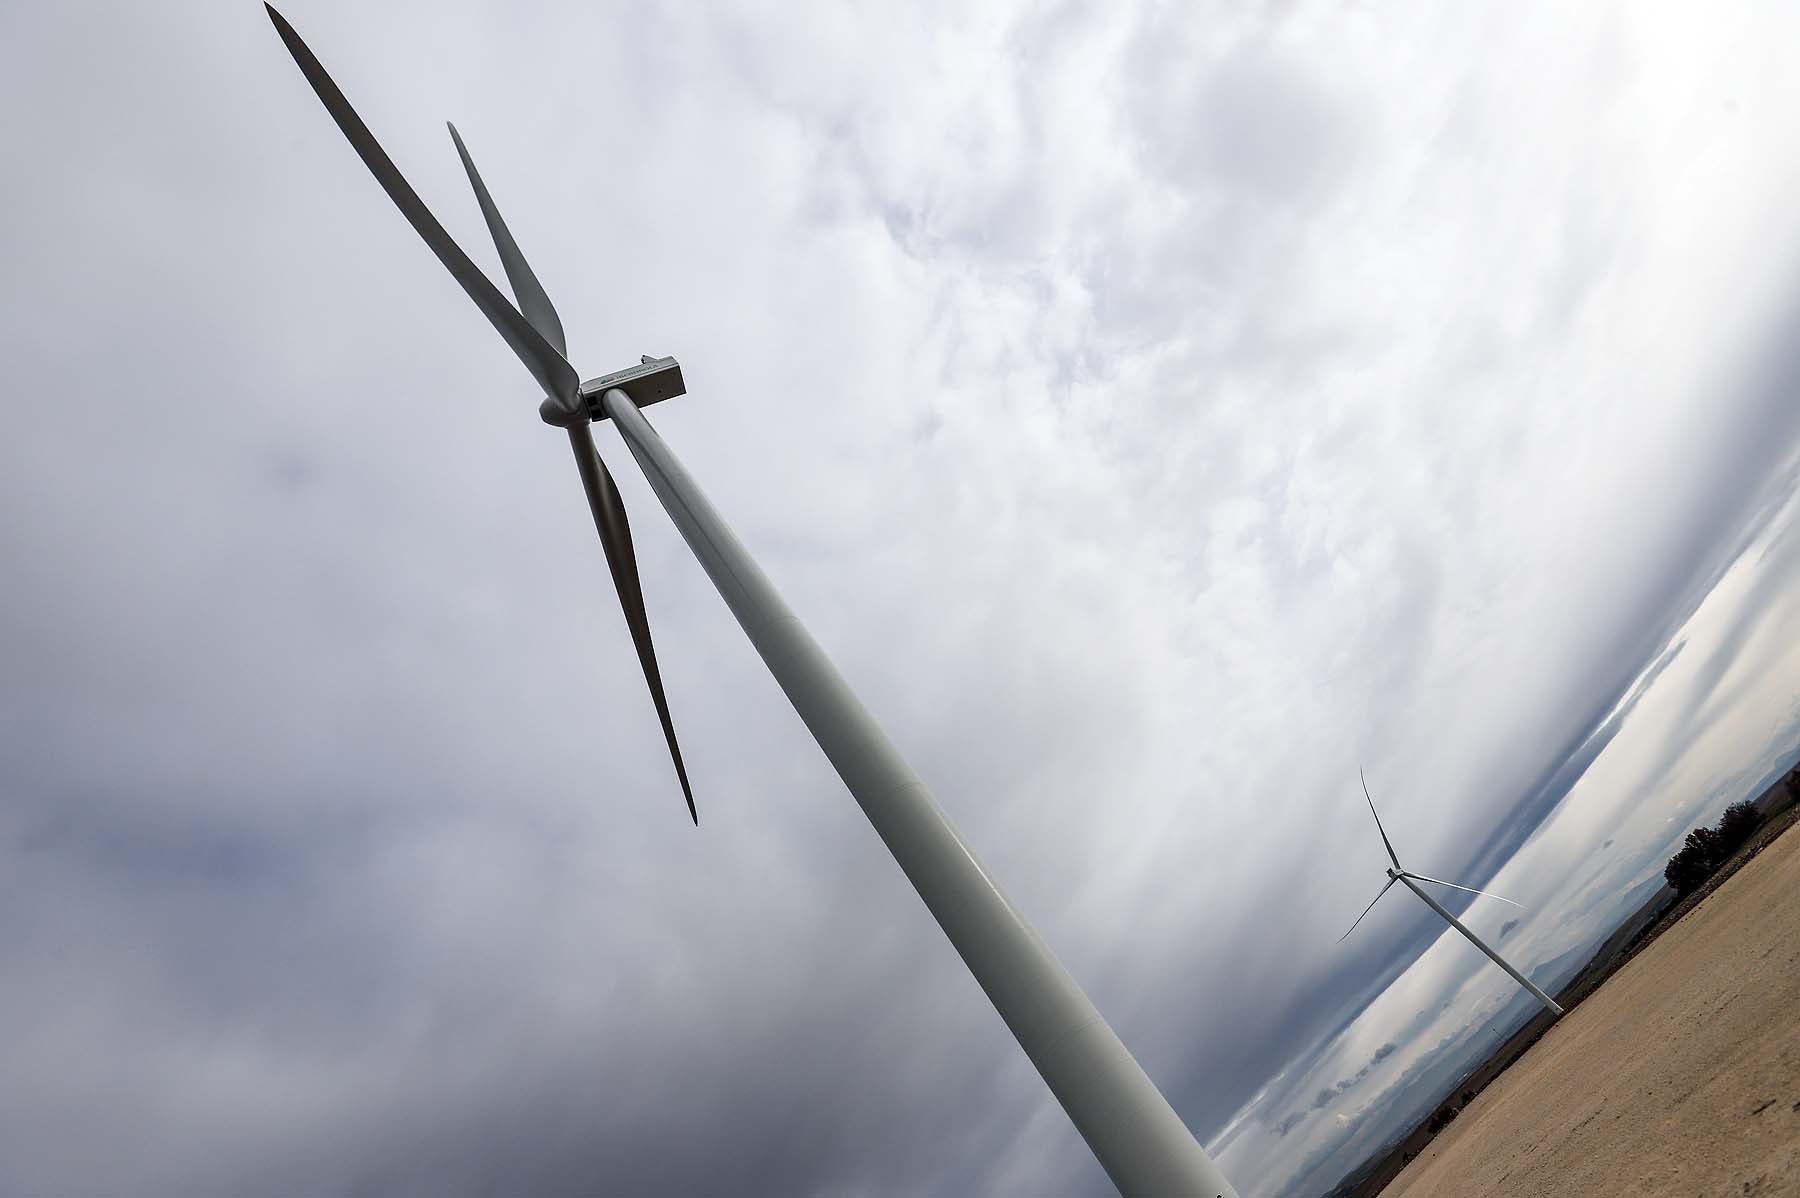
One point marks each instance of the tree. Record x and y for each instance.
(1689, 867)
(1704, 843)
(1735, 827)
(1708, 848)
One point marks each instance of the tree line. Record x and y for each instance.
(1708, 848)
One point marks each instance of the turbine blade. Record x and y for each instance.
(544, 361)
(1367, 909)
(530, 293)
(615, 539)
(1470, 889)
(1378, 827)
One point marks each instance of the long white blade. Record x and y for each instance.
(1367, 909)
(534, 302)
(621, 560)
(1378, 827)
(546, 364)
(1470, 889)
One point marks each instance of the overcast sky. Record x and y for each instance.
(1158, 413)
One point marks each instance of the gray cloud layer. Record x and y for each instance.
(1156, 414)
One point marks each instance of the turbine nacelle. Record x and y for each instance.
(652, 380)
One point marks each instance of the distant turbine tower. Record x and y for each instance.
(1139, 1139)
(1397, 874)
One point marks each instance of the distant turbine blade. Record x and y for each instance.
(615, 539)
(1378, 827)
(1470, 889)
(1368, 909)
(546, 363)
(530, 293)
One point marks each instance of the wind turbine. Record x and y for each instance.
(1138, 1138)
(1397, 873)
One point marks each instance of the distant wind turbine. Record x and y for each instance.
(1138, 1138)
(1397, 874)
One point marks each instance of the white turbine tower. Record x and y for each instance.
(1138, 1138)
(1396, 873)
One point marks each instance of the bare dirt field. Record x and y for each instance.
(1680, 1075)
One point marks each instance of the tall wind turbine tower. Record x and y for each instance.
(1396, 873)
(1138, 1138)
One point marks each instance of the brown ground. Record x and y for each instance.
(1681, 1075)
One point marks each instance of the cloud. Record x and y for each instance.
(1155, 416)
(1328, 1096)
